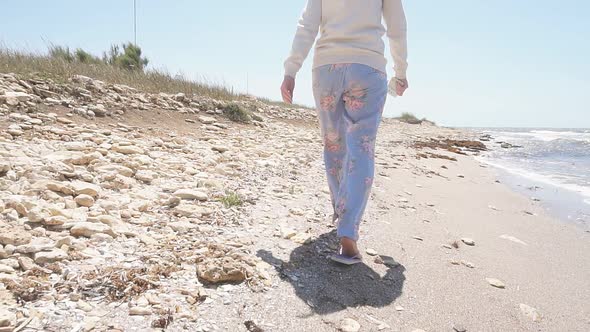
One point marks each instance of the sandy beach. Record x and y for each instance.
(446, 246)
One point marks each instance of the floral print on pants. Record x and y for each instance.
(350, 100)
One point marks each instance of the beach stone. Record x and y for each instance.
(207, 119)
(512, 238)
(468, 241)
(26, 263)
(302, 238)
(54, 221)
(7, 318)
(52, 256)
(84, 306)
(496, 282)
(6, 269)
(36, 245)
(14, 235)
(530, 312)
(86, 188)
(459, 328)
(182, 226)
(191, 194)
(468, 264)
(84, 200)
(349, 325)
(287, 233)
(371, 252)
(87, 229)
(127, 149)
(140, 311)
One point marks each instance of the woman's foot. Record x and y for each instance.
(349, 247)
(349, 253)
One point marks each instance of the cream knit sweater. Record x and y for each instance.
(351, 32)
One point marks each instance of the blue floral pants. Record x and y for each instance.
(350, 99)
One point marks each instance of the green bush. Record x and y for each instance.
(231, 199)
(409, 118)
(85, 57)
(129, 58)
(236, 112)
(61, 53)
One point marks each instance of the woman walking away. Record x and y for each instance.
(350, 87)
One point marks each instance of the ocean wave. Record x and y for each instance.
(542, 135)
(556, 181)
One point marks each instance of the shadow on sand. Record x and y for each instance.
(329, 287)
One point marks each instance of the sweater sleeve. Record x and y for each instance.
(307, 31)
(395, 19)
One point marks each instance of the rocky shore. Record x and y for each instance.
(128, 211)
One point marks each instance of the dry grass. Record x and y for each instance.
(154, 81)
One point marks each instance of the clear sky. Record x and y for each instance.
(472, 62)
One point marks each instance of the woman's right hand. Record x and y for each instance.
(287, 89)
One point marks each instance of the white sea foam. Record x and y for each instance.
(555, 181)
(542, 135)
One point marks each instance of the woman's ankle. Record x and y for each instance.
(349, 247)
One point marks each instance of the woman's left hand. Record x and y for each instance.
(401, 86)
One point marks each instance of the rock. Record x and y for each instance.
(55, 221)
(15, 235)
(37, 244)
(459, 328)
(7, 318)
(182, 226)
(52, 256)
(191, 194)
(495, 282)
(296, 211)
(302, 238)
(60, 187)
(140, 311)
(207, 119)
(191, 210)
(145, 176)
(220, 148)
(6, 269)
(85, 188)
(349, 325)
(468, 241)
(512, 238)
(371, 252)
(530, 312)
(88, 228)
(468, 264)
(287, 233)
(84, 306)
(127, 149)
(26, 263)
(84, 200)
(399, 308)
(3, 253)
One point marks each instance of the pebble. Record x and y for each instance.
(468, 241)
(140, 311)
(496, 282)
(459, 328)
(349, 325)
(52, 256)
(191, 194)
(371, 252)
(530, 312)
(84, 200)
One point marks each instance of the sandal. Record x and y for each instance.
(346, 260)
